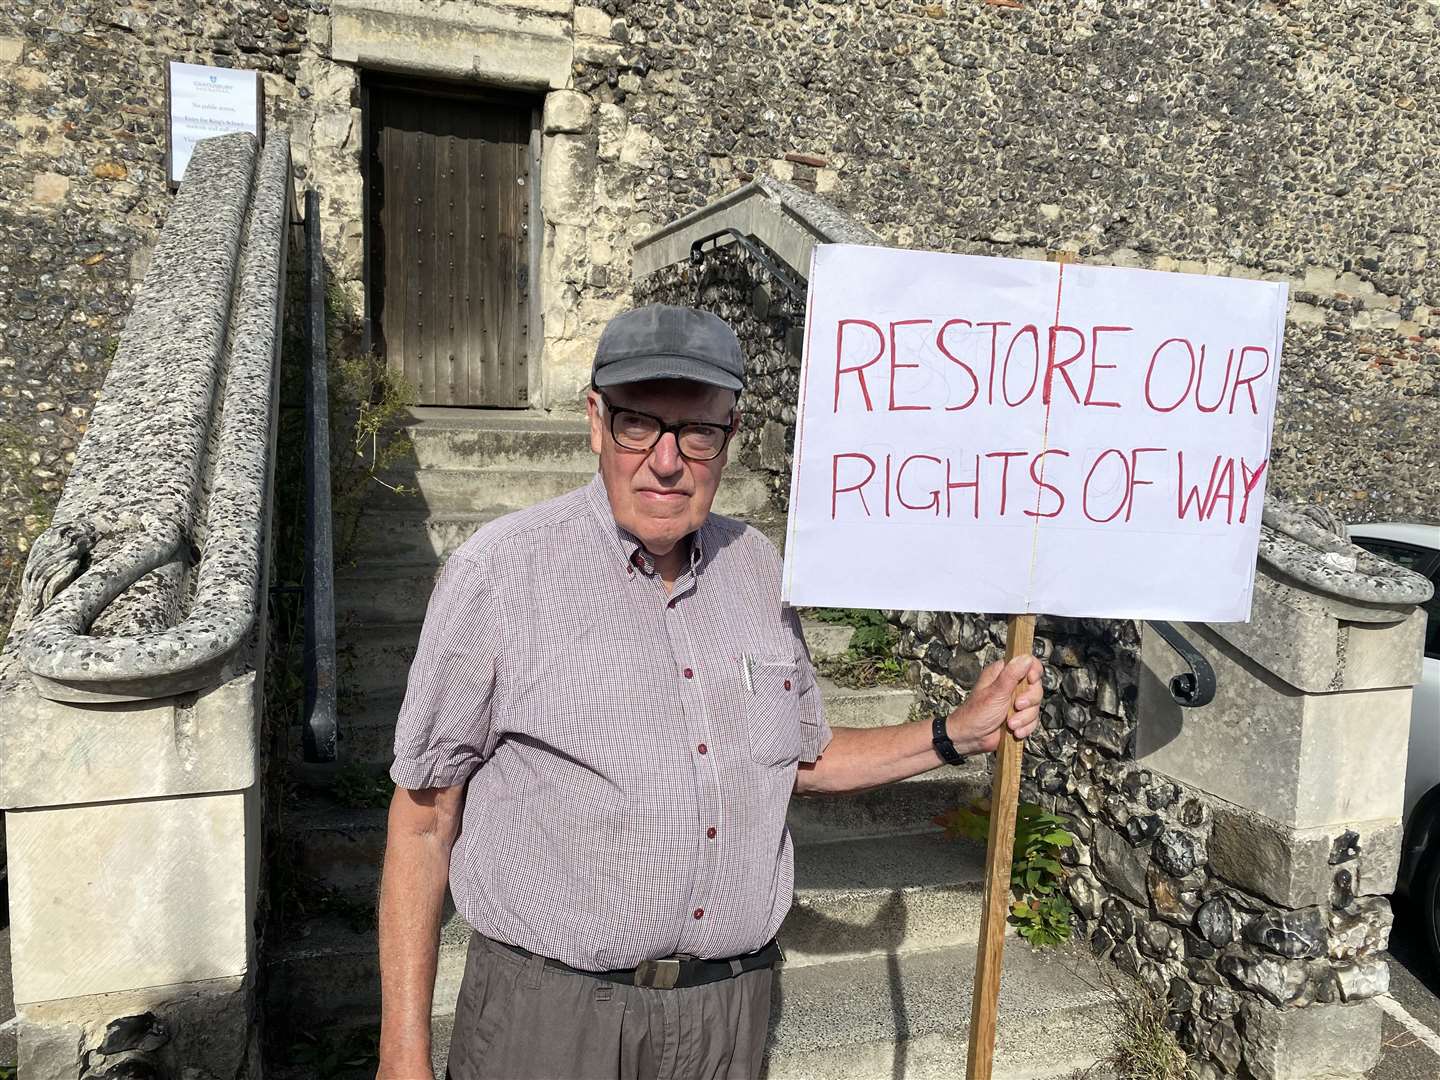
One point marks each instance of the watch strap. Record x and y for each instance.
(940, 739)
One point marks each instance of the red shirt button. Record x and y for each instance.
(699, 912)
(787, 684)
(710, 832)
(689, 674)
(703, 748)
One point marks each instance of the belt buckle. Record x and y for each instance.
(660, 974)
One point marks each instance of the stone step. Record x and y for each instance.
(376, 658)
(411, 537)
(897, 807)
(907, 1016)
(854, 898)
(826, 639)
(398, 592)
(368, 709)
(465, 438)
(343, 846)
(902, 1016)
(488, 490)
(875, 706)
(909, 804)
(414, 536)
(369, 594)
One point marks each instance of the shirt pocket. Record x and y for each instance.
(772, 709)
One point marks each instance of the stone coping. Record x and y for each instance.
(150, 578)
(1355, 584)
(788, 221)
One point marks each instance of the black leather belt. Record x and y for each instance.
(673, 972)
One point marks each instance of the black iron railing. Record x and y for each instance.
(1196, 687)
(757, 251)
(322, 732)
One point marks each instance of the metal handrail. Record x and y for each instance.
(321, 732)
(1194, 688)
(757, 251)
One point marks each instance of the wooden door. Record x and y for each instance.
(450, 195)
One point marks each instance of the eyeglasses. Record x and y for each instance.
(639, 431)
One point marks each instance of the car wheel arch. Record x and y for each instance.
(1422, 832)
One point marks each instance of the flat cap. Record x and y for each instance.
(664, 342)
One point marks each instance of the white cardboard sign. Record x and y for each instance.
(1015, 436)
(206, 101)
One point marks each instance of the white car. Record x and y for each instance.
(1417, 547)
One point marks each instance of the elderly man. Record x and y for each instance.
(607, 715)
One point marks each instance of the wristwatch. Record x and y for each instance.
(940, 738)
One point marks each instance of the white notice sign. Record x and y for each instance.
(1012, 436)
(206, 101)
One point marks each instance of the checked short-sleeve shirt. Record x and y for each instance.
(630, 755)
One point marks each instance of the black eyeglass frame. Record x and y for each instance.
(665, 429)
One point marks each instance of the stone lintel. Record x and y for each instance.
(1292, 867)
(1332, 1041)
(114, 897)
(522, 45)
(53, 753)
(1295, 636)
(200, 1028)
(1305, 760)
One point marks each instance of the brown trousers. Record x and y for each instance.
(520, 1020)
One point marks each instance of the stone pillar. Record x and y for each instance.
(134, 856)
(1300, 759)
(571, 324)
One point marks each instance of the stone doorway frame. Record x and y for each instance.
(368, 78)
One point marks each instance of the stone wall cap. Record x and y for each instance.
(140, 589)
(813, 214)
(1312, 555)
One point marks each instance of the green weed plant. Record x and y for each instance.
(870, 660)
(1040, 913)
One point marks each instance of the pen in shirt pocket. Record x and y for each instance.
(747, 669)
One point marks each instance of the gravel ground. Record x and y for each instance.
(1415, 986)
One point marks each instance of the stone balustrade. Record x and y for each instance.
(1235, 858)
(131, 687)
(1301, 759)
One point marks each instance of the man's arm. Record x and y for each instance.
(421, 830)
(861, 758)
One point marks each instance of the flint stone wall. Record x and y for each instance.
(768, 322)
(1272, 140)
(1152, 876)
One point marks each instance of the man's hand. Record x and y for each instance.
(976, 725)
(858, 759)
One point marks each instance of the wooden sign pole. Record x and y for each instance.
(999, 852)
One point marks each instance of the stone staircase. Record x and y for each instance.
(880, 942)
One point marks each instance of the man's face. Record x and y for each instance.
(658, 495)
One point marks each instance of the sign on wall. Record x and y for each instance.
(206, 101)
(1006, 435)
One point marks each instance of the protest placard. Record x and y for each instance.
(1008, 435)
